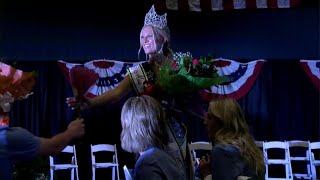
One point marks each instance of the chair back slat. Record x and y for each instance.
(103, 147)
(68, 149)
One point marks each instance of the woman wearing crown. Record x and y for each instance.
(155, 41)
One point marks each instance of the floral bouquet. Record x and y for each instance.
(187, 74)
(15, 84)
(81, 79)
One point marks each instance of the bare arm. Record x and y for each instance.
(114, 95)
(54, 145)
(111, 96)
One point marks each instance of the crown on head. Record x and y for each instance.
(153, 19)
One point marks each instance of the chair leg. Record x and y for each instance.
(287, 171)
(51, 174)
(313, 172)
(267, 172)
(113, 173)
(93, 173)
(118, 176)
(72, 174)
(77, 174)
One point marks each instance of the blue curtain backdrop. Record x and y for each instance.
(283, 104)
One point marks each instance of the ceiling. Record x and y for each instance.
(58, 10)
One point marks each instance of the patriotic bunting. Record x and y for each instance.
(217, 5)
(312, 68)
(110, 73)
(242, 77)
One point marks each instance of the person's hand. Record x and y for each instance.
(82, 102)
(76, 128)
(204, 166)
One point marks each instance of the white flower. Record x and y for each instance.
(178, 55)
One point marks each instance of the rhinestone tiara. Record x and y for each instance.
(153, 19)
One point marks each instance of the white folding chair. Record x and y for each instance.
(100, 148)
(302, 147)
(193, 148)
(73, 165)
(127, 173)
(314, 151)
(283, 146)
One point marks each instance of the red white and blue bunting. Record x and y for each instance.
(242, 75)
(110, 73)
(312, 68)
(217, 5)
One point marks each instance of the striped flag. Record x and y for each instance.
(110, 73)
(242, 77)
(217, 5)
(312, 68)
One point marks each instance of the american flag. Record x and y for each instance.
(217, 5)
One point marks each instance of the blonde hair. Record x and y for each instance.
(143, 124)
(235, 131)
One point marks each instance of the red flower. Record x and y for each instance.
(5, 120)
(195, 61)
(175, 64)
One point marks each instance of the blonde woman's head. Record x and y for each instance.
(143, 124)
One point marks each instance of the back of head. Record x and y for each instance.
(143, 124)
(229, 112)
(235, 131)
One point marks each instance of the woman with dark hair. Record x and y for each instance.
(144, 131)
(234, 153)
